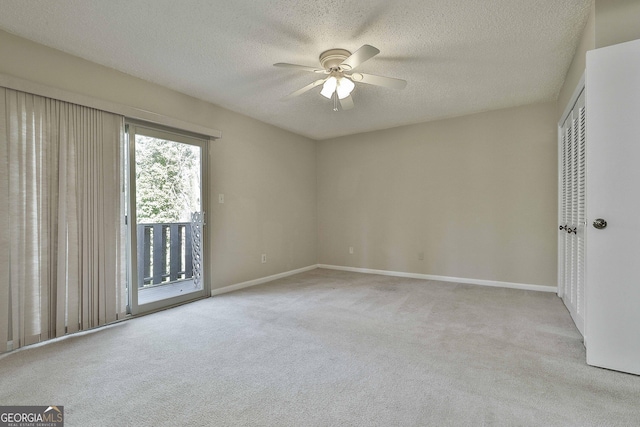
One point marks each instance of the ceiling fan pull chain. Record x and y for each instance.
(335, 101)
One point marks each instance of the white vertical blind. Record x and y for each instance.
(63, 269)
(572, 211)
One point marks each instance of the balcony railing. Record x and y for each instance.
(164, 253)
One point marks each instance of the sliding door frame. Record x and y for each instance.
(150, 129)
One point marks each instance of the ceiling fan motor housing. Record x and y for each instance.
(332, 58)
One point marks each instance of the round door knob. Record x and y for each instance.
(600, 223)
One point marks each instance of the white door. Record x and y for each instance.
(613, 194)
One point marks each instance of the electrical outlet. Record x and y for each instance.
(420, 256)
(264, 258)
(351, 250)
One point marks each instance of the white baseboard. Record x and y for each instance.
(260, 280)
(497, 284)
(539, 288)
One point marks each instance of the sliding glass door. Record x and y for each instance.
(166, 217)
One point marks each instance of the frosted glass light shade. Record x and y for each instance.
(329, 87)
(344, 88)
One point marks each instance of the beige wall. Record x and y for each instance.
(267, 174)
(617, 21)
(476, 194)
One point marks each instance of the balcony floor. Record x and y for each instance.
(170, 290)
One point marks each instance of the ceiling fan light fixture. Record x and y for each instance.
(329, 87)
(345, 87)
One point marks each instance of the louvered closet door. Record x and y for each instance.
(571, 246)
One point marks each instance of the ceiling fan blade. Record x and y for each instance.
(346, 103)
(359, 56)
(303, 90)
(371, 79)
(299, 67)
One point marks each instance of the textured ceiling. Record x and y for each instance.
(458, 56)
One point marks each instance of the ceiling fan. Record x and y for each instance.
(338, 65)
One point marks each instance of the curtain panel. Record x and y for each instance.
(62, 231)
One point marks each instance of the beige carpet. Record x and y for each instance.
(328, 348)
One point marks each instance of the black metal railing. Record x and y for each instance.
(164, 253)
